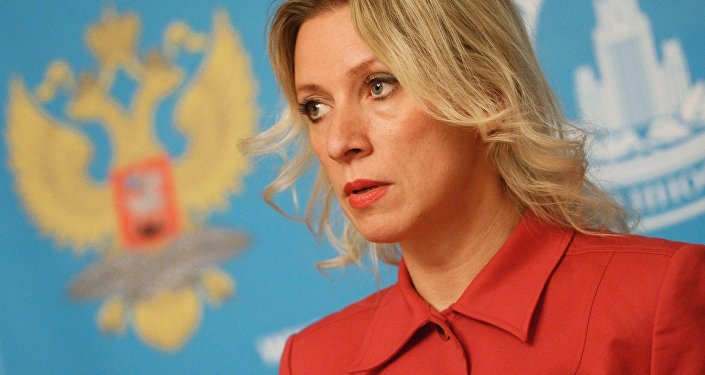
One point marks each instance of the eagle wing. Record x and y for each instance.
(215, 112)
(50, 162)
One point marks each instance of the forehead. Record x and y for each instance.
(328, 45)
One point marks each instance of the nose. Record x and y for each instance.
(348, 136)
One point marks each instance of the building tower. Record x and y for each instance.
(626, 56)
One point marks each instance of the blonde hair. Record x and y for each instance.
(467, 63)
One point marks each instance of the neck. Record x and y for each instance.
(444, 260)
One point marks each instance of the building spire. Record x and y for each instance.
(631, 87)
(611, 13)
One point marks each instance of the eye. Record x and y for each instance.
(313, 109)
(381, 86)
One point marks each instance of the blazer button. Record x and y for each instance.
(442, 333)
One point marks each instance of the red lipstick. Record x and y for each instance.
(363, 193)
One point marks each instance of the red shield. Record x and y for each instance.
(146, 203)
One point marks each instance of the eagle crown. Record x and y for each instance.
(113, 41)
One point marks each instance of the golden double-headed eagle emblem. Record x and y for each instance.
(159, 261)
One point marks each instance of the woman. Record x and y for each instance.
(436, 131)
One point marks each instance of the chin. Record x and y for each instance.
(379, 238)
(379, 232)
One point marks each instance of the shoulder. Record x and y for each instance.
(332, 343)
(633, 279)
(352, 316)
(632, 262)
(644, 299)
(627, 243)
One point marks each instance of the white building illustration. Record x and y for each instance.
(635, 96)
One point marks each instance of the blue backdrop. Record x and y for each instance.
(655, 166)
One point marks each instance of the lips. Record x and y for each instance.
(363, 193)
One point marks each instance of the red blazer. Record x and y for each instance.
(551, 301)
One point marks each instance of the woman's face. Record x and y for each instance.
(397, 172)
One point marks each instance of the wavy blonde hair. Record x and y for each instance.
(467, 63)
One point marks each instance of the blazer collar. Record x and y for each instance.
(504, 294)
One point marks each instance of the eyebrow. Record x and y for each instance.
(362, 66)
(352, 72)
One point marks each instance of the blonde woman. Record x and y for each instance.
(435, 131)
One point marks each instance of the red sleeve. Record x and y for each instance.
(285, 362)
(679, 328)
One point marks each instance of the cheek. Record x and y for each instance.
(435, 153)
(418, 140)
(317, 142)
(329, 166)
(403, 129)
